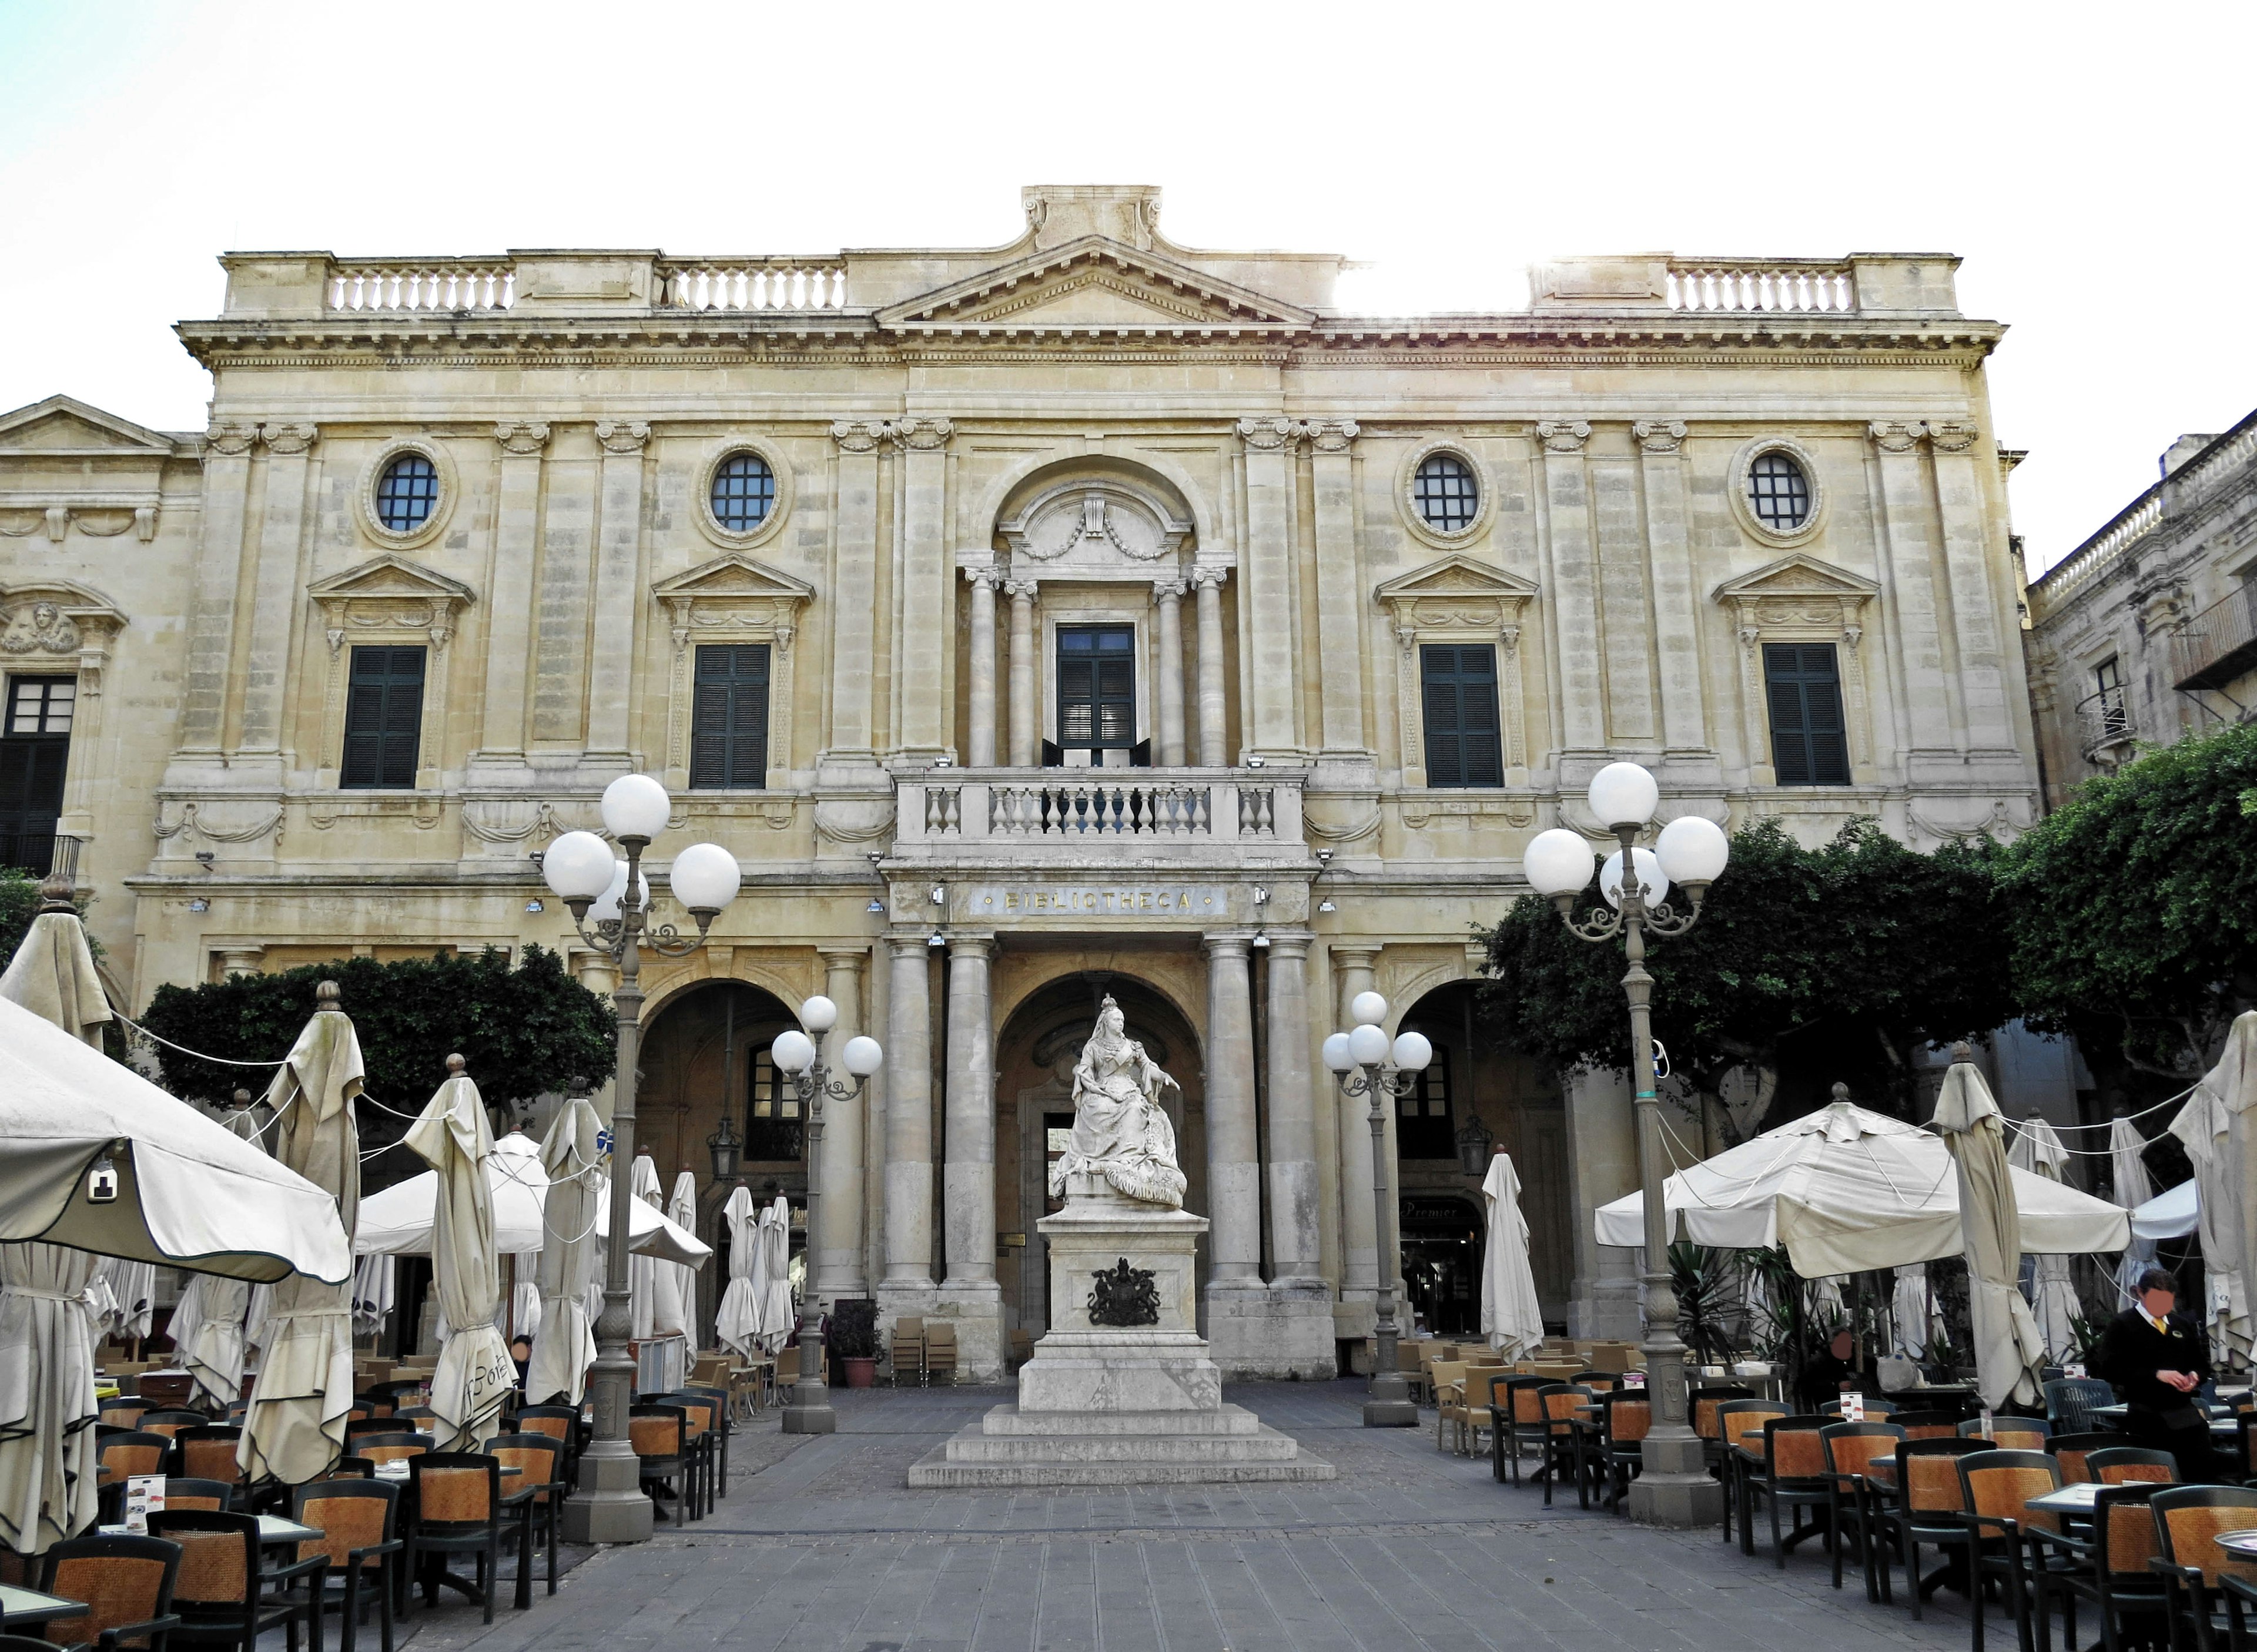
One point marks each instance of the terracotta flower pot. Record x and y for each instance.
(860, 1373)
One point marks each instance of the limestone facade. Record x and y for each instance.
(1360, 601)
(2147, 630)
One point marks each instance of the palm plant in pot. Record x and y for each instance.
(854, 1338)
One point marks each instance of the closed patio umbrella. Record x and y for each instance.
(2130, 1186)
(656, 1300)
(475, 1375)
(2009, 1351)
(778, 1317)
(1511, 1316)
(295, 1428)
(2054, 1301)
(1910, 1310)
(376, 1284)
(2215, 1126)
(682, 1210)
(737, 1321)
(133, 1286)
(211, 1347)
(47, 1462)
(572, 1160)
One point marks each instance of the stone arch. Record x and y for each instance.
(1155, 473)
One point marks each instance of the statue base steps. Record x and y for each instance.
(1119, 1404)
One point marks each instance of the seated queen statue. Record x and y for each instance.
(1120, 1131)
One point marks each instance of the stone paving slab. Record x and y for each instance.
(820, 1545)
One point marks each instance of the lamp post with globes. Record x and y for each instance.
(1674, 1487)
(799, 1054)
(608, 1505)
(1360, 1063)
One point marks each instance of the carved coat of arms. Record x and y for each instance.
(1124, 1295)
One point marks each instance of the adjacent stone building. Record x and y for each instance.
(2147, 630)
(1087, 614)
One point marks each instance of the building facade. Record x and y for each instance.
(2147, 631)
(1084, 615)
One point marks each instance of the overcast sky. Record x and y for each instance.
(2095, 181)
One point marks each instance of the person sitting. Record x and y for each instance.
(1828, 1376)
(2156, 1359)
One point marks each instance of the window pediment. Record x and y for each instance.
(1456, 594)
(734, 595)
(1094, 282)
(390, 593)
(1799, 594)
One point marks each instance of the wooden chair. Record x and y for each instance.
(1515, 1418)
(2071, 1449)
(124, 1411)
(538, 1496)
(359, 1522)
(939, 1352)
(2114, 1570)
(1563, 1442)
(1850, 1449)
(1997, 1485)
(1740, 1423)
(209, 1453)
(1707, 1403)
(1625, 1416)
(392, 1447)
(2132, 1464)
(223, 1596)
(126, 1582)
(1443, 1381)
(126, 1455)
(1469, 1413)
(1792, 1478)
(208, 1495)
(457, 1497)
(1926, 1506)
(660, 1434)
(2188, 1521)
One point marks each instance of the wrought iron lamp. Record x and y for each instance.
(1474, 1143)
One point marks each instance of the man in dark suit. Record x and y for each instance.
(2156, 1359)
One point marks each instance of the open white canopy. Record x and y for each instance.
(2174, 1213)
(398, 1221)
(190, 1193)
(1846, 1190)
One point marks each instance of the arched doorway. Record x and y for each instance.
(1478, 1084)
(1034, 1057)
(704, 1052)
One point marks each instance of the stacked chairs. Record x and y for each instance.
(908, 1350)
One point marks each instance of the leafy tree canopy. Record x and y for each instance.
(20, 904)
(521, 1031)
(1862, 936)
(2133, 908)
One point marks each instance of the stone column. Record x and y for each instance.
(1233, 1193)
(1352, 968)
(928, 643)
(838, 1259)
(509, 595)
(1026, 736)
(1212, 752)
(1271, 673)
(854, 595)
(1684, 721)
(1602, 1167)
(219, 569)
(1169, 593)
(1340, 593)
(968, 1181)
(1911, 554)
(1975, 601)
(275, 586)
(1575, 605)
(1293, 1246)
(907, 1076)
(981, 738)
(619, 593)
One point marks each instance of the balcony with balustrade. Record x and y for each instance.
(2219, 644)
(1073, 820)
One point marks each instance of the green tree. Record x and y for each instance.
(1862, 945)
(521, 1031)
(2133, 908)
(20, 904)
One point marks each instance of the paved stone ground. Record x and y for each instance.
(820, 1546)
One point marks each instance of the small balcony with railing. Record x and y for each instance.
(2104, 731)
(1092, 818)
(2219, 644)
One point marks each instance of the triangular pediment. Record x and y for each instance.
(1796, 575)
(63, 425)
(1456, 576)
(734, 577)
(1094, 283)
(389, 578)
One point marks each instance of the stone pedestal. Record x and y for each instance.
(1112, 1404)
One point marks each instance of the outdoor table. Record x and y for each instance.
(2241, 1543)
(2068, 1500)
(20, 1606)
(2226, 1427)
(275, 1529)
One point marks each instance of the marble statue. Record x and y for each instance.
(1121, 1132)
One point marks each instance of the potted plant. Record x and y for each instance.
(854, 1338)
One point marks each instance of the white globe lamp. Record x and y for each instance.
(863, 1058)
(792, 1051)
(636, 805)
(1367, 1046)
(579, 866)
(1367, 1007)
(1413, 1052)
(1623, 795)
(1649, 877)
(1557, 862)
(705, 878)
(819, 1014)
(1691, 851)
(1336, 1053)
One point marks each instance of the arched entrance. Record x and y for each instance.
(1477, 1082)
(1035, 1056)
(706, 1051)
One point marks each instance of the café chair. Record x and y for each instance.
(358, 1520)
(1792, 1476)
(1997, 1484)
(2070, 1402)
(126, 1582)
(2129, 1465)
(537, 1495)
(210, 1496)
(2113, 1572)
(1740, 1428)
(223, 1596)
(456, 1510)
(2188, 1521)
(660, 1434)
(1851, 1449)
(1625, 1416)
(1927, 1507)
(2070, 1451)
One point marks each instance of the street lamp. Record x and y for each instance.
(1390, 1406)
(1674, 1487)
(609, 1506)
(799, 1056)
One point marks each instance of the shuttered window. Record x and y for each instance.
(1463, 747)
(1097, 687)
(1803, 684)
(34, 754)
(384, 718)
(729, 718)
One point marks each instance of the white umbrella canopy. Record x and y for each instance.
(1846, 1190)
(2212, 1127)
(778, 1317)
(682, 1210)
(189, 1193)
(475, 1375)
(2131, 1186)
(656, 1300)
(2174, 1213)
(296, 1427)
(737, 1321)
(2009, 1352)
(208, 1343)
(2053, 1302)
(572, 1160)
(1511, 1318)
(47, 1461)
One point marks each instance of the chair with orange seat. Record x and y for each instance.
(2114, 1570)
(2189, 1521)
(457, 1511)
(1740, 1430)
(1927, 1507)
(1563, 1442)
(2070, 1451)
(359, 1521)
(224, 1596)
(1852, 1510)
(1997, 1486)
(2129, 1465)
(126, 1582)
(1792, 1478)
(208, 1452)
(537, 1496)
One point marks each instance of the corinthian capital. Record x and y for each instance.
(1660, 436)
(922, 434)
(1332, 435)
(861, 436)
(623, 435)
(288, 438)
(521, 439)
(1563, 435)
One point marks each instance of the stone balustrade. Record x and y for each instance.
(1740, 283)
(1024, 808)
(423, 284)
(753, 284)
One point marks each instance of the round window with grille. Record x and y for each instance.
(406, 493)
(744, 492)
(1778, 492)
(1445, 493)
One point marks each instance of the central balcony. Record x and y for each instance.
(1098, 816)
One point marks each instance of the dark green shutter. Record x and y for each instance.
(1464, 746)
(1809, 742)
(729, 718)
(384, 718)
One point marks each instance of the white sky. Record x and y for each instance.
(2090, 166)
